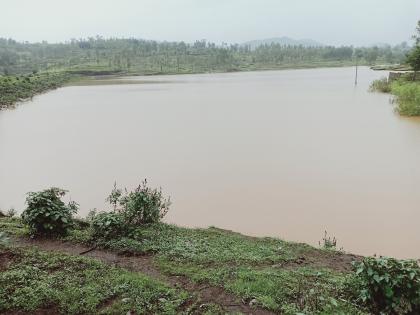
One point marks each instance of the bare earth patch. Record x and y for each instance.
(341, 262)
(6, 260)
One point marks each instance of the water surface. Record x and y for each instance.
(277, 153)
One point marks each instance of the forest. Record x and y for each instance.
(103, 56)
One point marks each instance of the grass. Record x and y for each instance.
(13, 226)
(39, 280)
(248, 267)
(406, 91)
(380, 85)
(265, 272)
(205, 246)
(282, 290)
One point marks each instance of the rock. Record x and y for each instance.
(125, 300)
(253, 302)
(162, 300)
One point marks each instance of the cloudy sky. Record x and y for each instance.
(336, 22)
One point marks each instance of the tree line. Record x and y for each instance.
(148, 56)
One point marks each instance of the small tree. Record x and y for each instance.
(413, 59)
(47, 214)
(372, 55)
(144, 205)
(416, 36)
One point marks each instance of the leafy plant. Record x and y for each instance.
(107, 225)
(407, 97)
(91, 214)
(413, 59)
(391, 285)
(47, 214)
(144, 205)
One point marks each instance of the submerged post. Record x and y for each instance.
(355, 79)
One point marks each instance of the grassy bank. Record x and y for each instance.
(406, 92)
(264, 273)
(165, 269)
(21, 87)
(39, 282)
(204, 271)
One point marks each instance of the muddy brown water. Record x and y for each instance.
(279, 153)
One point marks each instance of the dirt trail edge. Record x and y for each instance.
(203, 293)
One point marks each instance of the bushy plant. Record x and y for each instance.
(47, 214)
(144, 205)
(413, 59)
(107, 225)
(408, 97)
(390, 285)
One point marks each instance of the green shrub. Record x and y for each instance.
(80, 224)
(107, 225)
(381, 85)
(144, 205)
(407, 97)
(47, 214)
(390, 285)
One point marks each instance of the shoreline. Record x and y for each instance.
(77, 78)
(211, 271)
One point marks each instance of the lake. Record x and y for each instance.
(277, 153)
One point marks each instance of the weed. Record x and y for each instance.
(328, 242)
(380, 85)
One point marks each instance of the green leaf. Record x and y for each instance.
(333, 302)
(377, 278)
(388, 292)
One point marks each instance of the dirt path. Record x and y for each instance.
(340, 262)
(201, 293)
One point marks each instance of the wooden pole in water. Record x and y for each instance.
(355, 80)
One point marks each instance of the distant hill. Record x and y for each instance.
(284, 41)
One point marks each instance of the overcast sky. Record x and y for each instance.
(335, 22)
